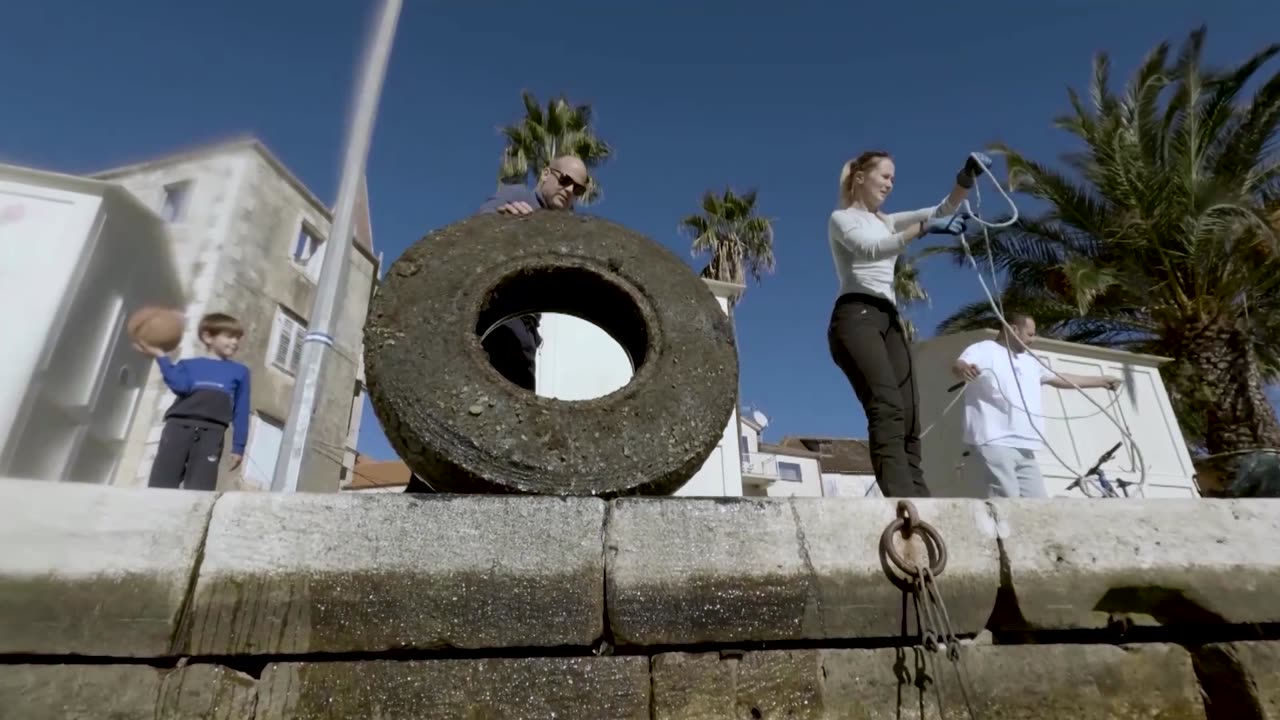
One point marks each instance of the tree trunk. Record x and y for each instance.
(724, 269)
(1237, 413)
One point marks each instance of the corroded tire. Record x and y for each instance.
(462, 427)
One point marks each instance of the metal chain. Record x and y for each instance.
(932, 618)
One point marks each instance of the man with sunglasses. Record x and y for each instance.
(559, 185)
(513, 346)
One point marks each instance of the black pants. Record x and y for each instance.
(513, 351)
(868, 343)
(189, 456)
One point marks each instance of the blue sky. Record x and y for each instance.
(693, 95)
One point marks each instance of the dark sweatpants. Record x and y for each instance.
(868, 343)
(513, 350)
(189, 455)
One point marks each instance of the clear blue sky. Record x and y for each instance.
(693, 95)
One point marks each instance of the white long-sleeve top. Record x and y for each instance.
(865, 246)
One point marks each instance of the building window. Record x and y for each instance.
(308, 251)
(287, 333)
(789, 471)
(174, 207)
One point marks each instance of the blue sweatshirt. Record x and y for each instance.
(210, 391)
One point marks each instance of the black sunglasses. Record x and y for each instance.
(566, 181)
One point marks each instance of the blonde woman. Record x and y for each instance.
(866, 333)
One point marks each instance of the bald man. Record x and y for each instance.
(559, 185)
(513, 346)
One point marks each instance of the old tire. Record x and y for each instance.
(462, 427)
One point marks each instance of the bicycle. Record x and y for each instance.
(1108, 487)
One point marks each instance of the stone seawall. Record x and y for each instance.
(153, 604)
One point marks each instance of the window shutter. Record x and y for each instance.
(284, 340)
(295, 359)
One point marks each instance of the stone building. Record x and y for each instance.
(249, 240)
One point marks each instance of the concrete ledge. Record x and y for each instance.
(1079, 682)
(1241, 679)
(1073, 563)
(494, 689)
(333, 573)
(91, 692)
(686, 571)
(91, 570)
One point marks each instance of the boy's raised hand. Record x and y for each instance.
(236, 460)
(146, 349)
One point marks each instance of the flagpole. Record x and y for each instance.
(330, 289)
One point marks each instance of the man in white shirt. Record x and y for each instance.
(1002, 429)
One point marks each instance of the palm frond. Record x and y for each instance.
(1165, 225)
(729, 228)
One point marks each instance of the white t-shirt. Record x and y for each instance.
(865, 246)
(992, 417)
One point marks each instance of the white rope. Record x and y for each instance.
(997, 307)
(945, 410)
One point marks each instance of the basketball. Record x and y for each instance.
(158, 327)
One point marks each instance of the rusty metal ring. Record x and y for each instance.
(907, 512)
(934, 547)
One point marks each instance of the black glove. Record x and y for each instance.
(974, 165)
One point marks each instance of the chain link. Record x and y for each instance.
(921, 580)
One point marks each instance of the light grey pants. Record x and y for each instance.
(998, 471)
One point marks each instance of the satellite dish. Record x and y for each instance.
(760, 419)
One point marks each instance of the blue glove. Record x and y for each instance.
(949, 225)
(973, 167)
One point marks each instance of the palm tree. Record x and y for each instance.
(739, 240)
(547, 133)
(1164, 240)
(909, 291)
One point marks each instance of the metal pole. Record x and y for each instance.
(333, 273)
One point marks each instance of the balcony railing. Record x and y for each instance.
(760, 466)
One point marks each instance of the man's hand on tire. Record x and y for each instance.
(515, 208)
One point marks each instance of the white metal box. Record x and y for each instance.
(77, 256)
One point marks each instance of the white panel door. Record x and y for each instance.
(263, 449)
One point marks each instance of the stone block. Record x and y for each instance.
(772, 684)
(78, 692)
(686, 571)
(1075, 563)
(1028, 682)
(339, 573)
(1241, 680)
(206, 692)
(583, 688)
(92, 570)
(124, 692)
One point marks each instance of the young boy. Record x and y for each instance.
(213, 392)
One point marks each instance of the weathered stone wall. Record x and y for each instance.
(118, 603)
